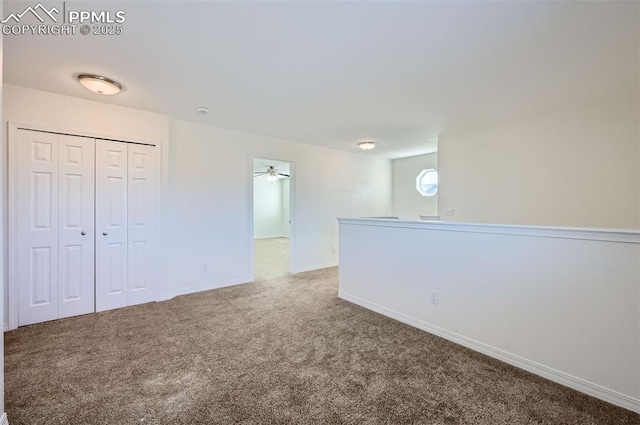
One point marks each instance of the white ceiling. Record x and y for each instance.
(332, 73)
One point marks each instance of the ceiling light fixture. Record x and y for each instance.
(99, 84)
(202, 110)
(272, 174)
(367, 144)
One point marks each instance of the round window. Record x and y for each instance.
(427, 182)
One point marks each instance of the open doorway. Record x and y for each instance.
(271, 218)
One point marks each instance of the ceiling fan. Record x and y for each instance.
(271, 173)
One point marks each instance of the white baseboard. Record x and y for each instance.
(315, 267)
(4, 420)
(210, 286)
(164, 297)
(565, 379)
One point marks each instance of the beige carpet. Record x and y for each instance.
(271, 257)
(279, 351)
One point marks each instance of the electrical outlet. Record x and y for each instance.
(434, 297)
(449, 212)
(205, 267)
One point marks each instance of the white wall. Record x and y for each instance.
(2, 231)
(268, 214)
(563, 304)
(570, 168)
(407, 201)
(211, 216)
(286, 210)
(205, 218)
(27, 106)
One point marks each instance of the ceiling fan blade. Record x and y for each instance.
(260, 173)
(283, 175)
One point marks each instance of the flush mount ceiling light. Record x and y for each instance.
(367, 144)
(99, 84)
(202, 110)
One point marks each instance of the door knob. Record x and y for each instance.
(83, 233)
(104, 233)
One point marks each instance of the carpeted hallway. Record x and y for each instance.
(278, 351)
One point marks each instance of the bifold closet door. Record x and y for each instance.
(125, 224)
(111, 225)
(142, 223)
(76, 231)
(55, 238)
(37, 226)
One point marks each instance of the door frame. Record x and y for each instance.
(292, 202)
(10, 277)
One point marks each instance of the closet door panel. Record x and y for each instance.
(111, 225)
(142, 223)
(37, 226)
(76, 226)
